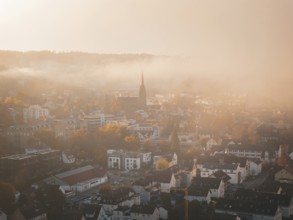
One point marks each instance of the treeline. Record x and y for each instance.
(20, 59)
(92, 146)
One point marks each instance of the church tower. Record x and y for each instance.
(142, 92)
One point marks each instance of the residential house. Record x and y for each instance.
(163, 213)
(223, 176)
(68, 158)
(232, 170)
(212, 142)
(166, 179)
(94, 212)
(285, 174)
(215, 185)
(147, 212)
(183, 179)
(198, 194)
(255, 167)
(121, 213)
(233, 166)
(123, 196)
(147, 188)
(147, 133)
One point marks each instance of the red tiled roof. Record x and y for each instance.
(84, 176)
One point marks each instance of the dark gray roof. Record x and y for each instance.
(143, 209)
(222, 175)
(193, 191)
(220, 166)
(253, 207)
(262, 197)
(91, 211)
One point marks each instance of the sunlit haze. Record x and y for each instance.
(243, 38)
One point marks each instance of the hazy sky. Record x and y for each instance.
(187, 27)
(227, 35)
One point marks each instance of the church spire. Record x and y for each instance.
(142, 91)
(142, 80)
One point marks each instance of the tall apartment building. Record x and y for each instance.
(127, 160)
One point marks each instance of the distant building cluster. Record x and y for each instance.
(193, 157)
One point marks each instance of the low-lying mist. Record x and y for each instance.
(108, 72)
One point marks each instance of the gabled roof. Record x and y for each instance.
(222, 175)
(206, 182)
(143, 181)
(193, 191)
(289, 169)
(269, 186)
(91, 211)
(143, 209)
(116, 196)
